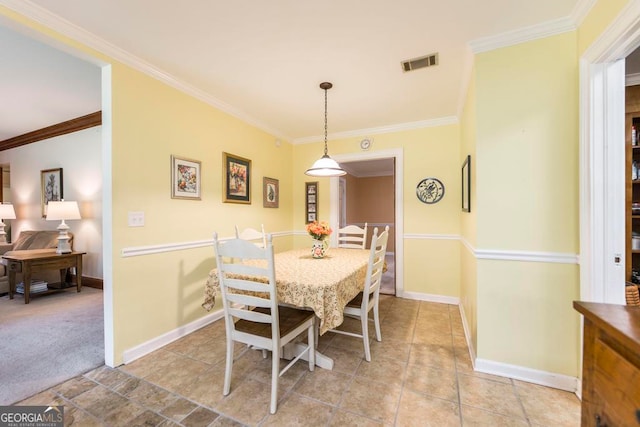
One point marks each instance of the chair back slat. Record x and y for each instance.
(248, 300)
(251, 234)
(352, 237)
(250, 315)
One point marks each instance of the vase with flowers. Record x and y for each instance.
(319, 232)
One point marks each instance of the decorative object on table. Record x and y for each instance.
(52, 189)
(61, 211)
(430, 190)
(311, 201)
(270, 192)
(185, 178)
(320, 232)
(325, 165)
(466, 185)
(6, 212)
(236, 176)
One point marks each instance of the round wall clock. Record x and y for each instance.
(365, 144)
(430, 190)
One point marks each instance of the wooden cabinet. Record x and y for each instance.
(632, 179)
(611, 364)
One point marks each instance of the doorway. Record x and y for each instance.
(367, 196)
(393, 161)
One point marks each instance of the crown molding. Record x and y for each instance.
(443, 121)
(74, 32)
(521, 35)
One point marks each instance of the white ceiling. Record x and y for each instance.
(263, 60)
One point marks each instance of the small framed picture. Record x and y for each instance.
(270, 192)
(52, 189)
(236, 178)
(185, 178)
(311, 201)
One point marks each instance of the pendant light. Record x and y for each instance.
(325, 165)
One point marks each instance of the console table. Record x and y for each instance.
(611, 364)
(29, 262)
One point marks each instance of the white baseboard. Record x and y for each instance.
(562, 382)
(145, 348)
(467, 336)
(431, 298)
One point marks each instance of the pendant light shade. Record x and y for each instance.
(325, 165)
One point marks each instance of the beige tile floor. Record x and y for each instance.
(420, 375)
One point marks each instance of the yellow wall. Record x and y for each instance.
(527, 200)
(600, 16)
(151, 121)
(468, 220)
(427, 152)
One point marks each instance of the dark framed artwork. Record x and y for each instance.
(52, 187)
(311, 201)
(185, 178)
(270, 192)
(236, 178)
(466, 185)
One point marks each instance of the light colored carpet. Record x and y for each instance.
(50, 340)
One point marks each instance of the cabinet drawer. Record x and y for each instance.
(617, 382)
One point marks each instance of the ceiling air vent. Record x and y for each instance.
(422, 62)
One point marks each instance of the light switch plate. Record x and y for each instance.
(136, 219)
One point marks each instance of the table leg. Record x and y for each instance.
(291, 350)
(26, 278)
(12, 281)
(79, 272)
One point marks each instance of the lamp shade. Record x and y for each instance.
(7, 212)
(325, 166)
(62, 210)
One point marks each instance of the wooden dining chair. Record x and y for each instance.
(251, 312)
(352, 236)
(251, 234)
(368, 299)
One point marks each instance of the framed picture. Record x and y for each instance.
(236, 179)
(52, 189)
(185, 178)
(466, 185)
(270, 192)
(311, 201)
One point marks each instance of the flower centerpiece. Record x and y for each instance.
(319, 231)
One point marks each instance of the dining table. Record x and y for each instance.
(324, 285)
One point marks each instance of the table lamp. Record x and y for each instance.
(62, 211)
(6, 212)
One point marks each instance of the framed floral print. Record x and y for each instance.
(236, 178)
(52, 189)
(185, 178)
(270, 192)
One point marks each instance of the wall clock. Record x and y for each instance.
(365, 144)
(430, 190)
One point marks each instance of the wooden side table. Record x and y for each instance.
(29, 262)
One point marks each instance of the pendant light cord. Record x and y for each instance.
(325, 122)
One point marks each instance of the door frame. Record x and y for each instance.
(334, 202)
(602, 158)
